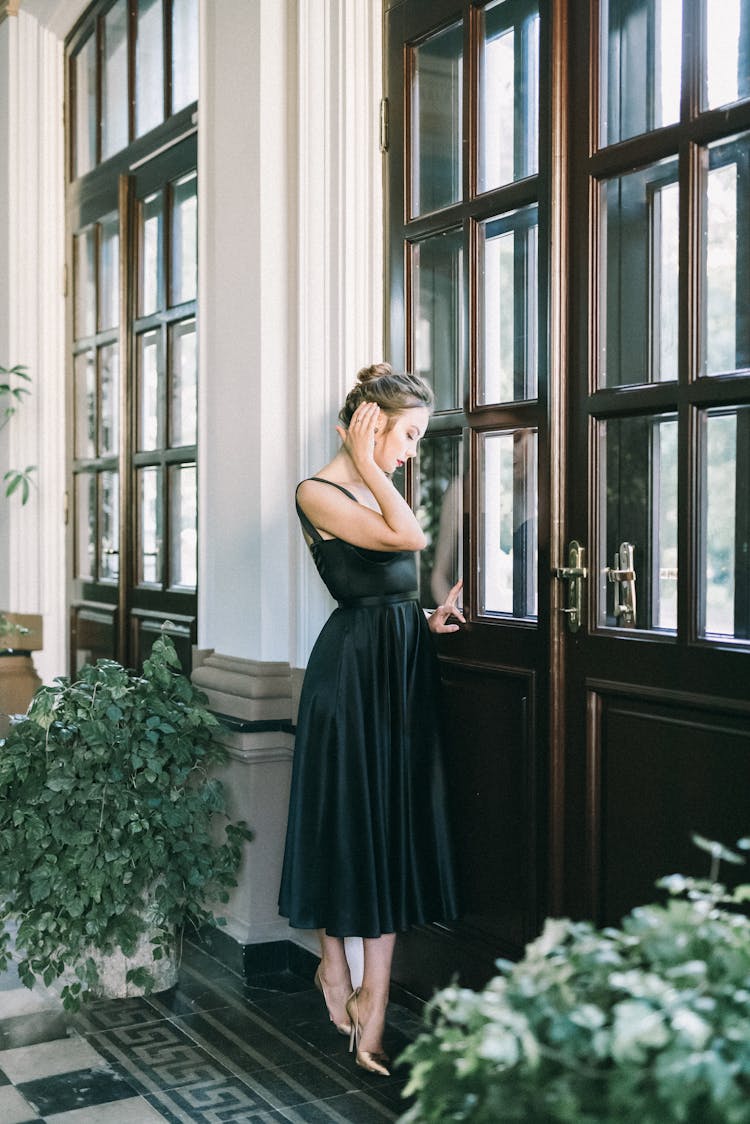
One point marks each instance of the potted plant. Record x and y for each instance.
(107, 840)
(644, 1024)
(20, 634)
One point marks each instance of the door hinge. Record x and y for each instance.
(66, 507)
(384, 124)
(65, 281)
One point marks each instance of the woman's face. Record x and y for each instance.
(398, 438)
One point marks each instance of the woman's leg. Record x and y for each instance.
(372, 999)
(334, 976)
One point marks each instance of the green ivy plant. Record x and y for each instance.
(648, 1023)
(13, 390)
(106, 813)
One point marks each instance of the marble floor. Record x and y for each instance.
(217, 1049)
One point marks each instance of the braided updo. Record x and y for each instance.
(393, 391)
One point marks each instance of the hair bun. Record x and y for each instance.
(373, 372)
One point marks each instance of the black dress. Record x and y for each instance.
(367, 848)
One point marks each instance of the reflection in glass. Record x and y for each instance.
(149, 67)
(638, 505)
(109, 412)
(84, 77)
(639, 276)
(508, 93)
(85, 524)
(508, 528)
(508, 307)
(184, 239)
(438, 336)
(440, 515)
(639, 61)
(183, 415)
(84, 283)
(725, 523)
(148, 391)
(184, 53)
(727, 52)
(436, 121)
(183, 527)
(109, 276)
(109, 527)
(115, 99)
(149, 525)
(151, 261)
(85, 404)
(726, 262)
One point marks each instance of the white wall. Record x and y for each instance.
(5, 359)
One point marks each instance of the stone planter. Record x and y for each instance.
(114, 967)
(18, 677)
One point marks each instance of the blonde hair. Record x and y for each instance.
(393, 391)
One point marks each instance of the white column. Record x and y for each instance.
(32, 287)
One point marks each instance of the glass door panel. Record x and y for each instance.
(436, 121)
(508, 534)
(184, 240)
(639, 61)
(724, 610)
(84, 283)
(726, 258)
(438, 343)
(109, 272)
(638, 266)
(151, 258)
(508, 307)
(184, 53)
(85, 540)
(149, 381)
(115, 100)
(109, 526)
(150, 506)
(727, 76)
(440, 513)
(109, 404)
(637, 506)
(184, 382)
(183, 527)
(85, 405)
(508, 93)
(84, 83)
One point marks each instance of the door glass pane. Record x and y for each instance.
(508, 93)
(109, 414)
(148, 391)
(507, 556)
(440, 514)
(638, 265)
(184, 239)
(638, 506)
(184, 53)
(151, 260)
(109, 527)
(639, 62)
(508, 283)
(109, 273)
(183, 524)
(115, 99)
(85, 404)
(727, 52)
(725, 523)
(438, 338)
(85, 524)
(184, 405)
(436, 121)
(149, 67)
(84, 283)
(726, 258)
(149, 525)
(84, 77)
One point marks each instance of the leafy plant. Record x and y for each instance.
(106, 810)
(644, 1024)
(13, 390)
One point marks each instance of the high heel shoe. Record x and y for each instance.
(375, 1061)
(342, 1028)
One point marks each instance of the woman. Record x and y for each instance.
(367, 851)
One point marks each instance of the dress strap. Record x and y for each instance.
(309, 529)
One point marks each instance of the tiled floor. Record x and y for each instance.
(216, 1049)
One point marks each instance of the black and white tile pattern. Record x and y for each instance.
(214, 1050)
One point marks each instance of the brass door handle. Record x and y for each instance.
(573, 575)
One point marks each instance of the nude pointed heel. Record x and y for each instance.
(342, 1028)
(374, 1061)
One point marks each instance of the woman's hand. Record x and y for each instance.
(359, 438)
(438, 620)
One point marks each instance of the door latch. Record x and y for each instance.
(574, 575)
(623, 575)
